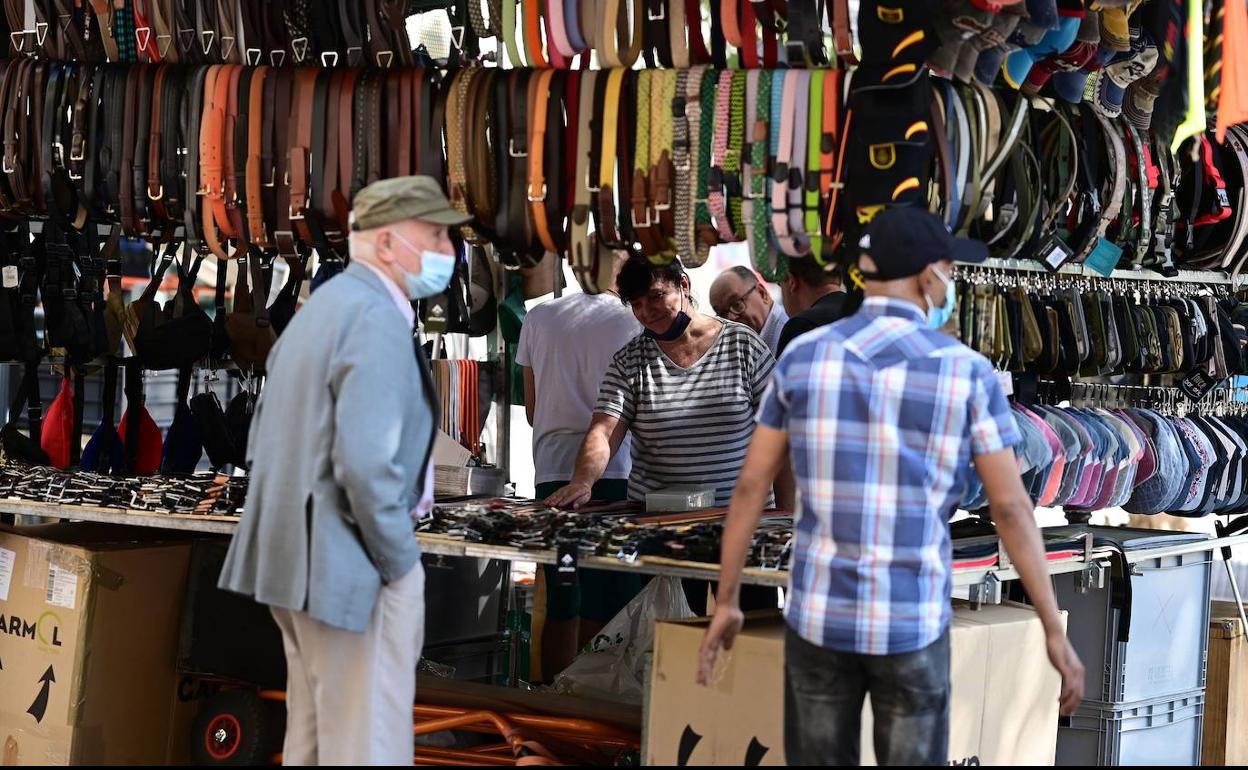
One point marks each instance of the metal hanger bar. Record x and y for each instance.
(1031, 266)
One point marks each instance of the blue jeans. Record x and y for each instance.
(823, 697)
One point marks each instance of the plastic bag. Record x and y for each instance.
(611, 665)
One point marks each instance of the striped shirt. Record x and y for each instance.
(883, 417)
(690, 427)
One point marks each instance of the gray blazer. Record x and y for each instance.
(338, 449)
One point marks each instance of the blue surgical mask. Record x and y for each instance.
(676, 330)
(937, 317)
(435, 272)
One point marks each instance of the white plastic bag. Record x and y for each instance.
(611, 664)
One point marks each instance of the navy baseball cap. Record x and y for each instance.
(902, 241)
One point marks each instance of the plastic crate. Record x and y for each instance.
(1160, 732)
(1168, 638)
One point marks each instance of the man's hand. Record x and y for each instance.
(722, 633)
(1067, 663)
(574, 495)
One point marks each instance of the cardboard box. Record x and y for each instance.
(1003, 708)
(1226, 689)
(90, 619)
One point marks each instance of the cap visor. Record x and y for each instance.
(446, 217)
(969, 250)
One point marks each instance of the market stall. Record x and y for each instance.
(214, 149)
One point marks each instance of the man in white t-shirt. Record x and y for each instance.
(566, 345)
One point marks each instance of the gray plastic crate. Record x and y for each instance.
(1160, 732)
(1169, 629)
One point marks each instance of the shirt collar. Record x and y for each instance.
(400, 301)
(896, 308)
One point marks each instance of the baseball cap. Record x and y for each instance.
(902, 241)
(387, 201)
(1018, 63)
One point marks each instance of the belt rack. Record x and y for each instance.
(1004, 266)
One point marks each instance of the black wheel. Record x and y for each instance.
(237, 727)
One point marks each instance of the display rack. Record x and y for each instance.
(983, 584)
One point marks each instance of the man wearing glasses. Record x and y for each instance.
(738, 295)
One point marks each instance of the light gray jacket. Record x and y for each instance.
(338, 450)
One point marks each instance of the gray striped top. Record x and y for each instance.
(690, 427)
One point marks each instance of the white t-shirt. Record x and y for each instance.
(773, 326)
(569, 343)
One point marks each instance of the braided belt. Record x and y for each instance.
(716, 199)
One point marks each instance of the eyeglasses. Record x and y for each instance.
(737, 307)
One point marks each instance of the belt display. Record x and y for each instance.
(206, 495)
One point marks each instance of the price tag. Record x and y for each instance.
(1007, 383)
(9, 274)
(565, 562)
(1053, 252)
(1104, 257)
(1197, 385)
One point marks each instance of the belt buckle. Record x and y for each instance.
(511, 149)
(252, 56)
(662, 14)
(329, 58)
(539, 198)
(388, 56)
(277, 57)
(206, 38)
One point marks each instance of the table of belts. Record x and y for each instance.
(981, 583)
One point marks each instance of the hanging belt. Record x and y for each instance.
(192, 121)
(703, 130)
(659, 176)
(810, 181)
(610, 164)
(656, 38)
(730, 20)
(1117, 164)
(643, 227)
(785, 239)
(756, 208)
(583, 250)
(616, 46)
(805, 38)
(829, 139)
(716, 180)
(537, 185)
(797, 166)
(732, 160)
(843, 36)
(255, 178)
(686, 118)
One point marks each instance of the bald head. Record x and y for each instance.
(738, 295)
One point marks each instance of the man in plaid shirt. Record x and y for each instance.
(883, 417)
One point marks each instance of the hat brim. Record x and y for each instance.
(446, 217)
(969, 251)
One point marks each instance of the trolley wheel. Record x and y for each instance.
(237, 727)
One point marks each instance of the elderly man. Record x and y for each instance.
(738, 295)
(340, 464)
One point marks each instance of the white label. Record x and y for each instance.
(9, 274)
(1007, 383)
(62, 587)
(7, 560)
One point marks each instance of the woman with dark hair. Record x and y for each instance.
(687, 389)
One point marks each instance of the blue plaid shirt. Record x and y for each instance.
(883, 417)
